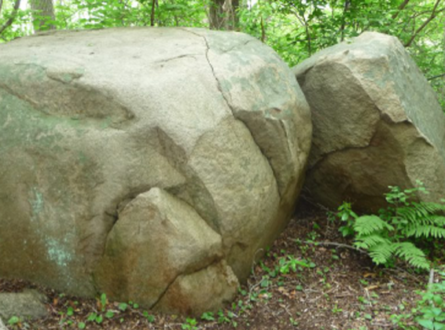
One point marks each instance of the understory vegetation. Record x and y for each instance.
(338, 270)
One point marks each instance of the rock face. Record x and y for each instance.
(376, 123)
(146, 163)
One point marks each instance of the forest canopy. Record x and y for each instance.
(295, 29)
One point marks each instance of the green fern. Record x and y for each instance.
(410, 253)
(369, 224)
(367, 242)
(394, 233)
(380, 254)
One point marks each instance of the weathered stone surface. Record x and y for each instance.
(376, 122)
(157, 238)
(27, 305)
(152, 157)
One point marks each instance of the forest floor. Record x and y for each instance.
(341, 289)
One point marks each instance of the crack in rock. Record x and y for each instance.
(213, 262)
(231, 108)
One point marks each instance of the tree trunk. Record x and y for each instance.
(223, 14)
(42, 15)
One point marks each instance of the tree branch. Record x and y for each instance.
(1, 5)
(401, 7)
(435, 77)
(432, 16)
(11, 19)
(343, 23)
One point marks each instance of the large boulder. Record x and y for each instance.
(377, 123)
(150, 164)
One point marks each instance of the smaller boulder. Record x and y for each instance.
(377, 123)
(29, 305)
(161, 252)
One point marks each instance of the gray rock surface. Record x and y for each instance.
(160, 157)
(377, 123)
(29, 305)
(2, 325)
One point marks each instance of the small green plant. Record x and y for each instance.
(150, 318)
(14, 320)
(396, 230)
(430, 311)
(432, 306)
(291, 263)
(190, 324)
(345, 214)
(207, 316)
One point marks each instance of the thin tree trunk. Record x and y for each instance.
(152, 16)
(43, 14)
(223, 14)
(263, 31)
(343, 23)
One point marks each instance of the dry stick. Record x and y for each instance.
(346, 246)
(11, 19)
(431, 279)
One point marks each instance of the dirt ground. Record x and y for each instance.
(332, 287)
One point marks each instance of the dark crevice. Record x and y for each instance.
(9, 90)
(176, 58)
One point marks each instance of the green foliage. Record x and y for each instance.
(13, 320)
(432, 307)
(430, 311)
(207, 316)
(190, 324)
(346, 215)
(399, 230)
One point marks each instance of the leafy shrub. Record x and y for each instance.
(430, 311)
(398, 230)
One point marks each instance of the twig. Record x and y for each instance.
(435, 77)
(340, 245)
(431, 279)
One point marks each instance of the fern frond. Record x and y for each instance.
(409, 213)
(425, 231)
(367, 242)
(431, 207)
(369, 224)
(433, 219)
(411, 254)
(381, 253)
